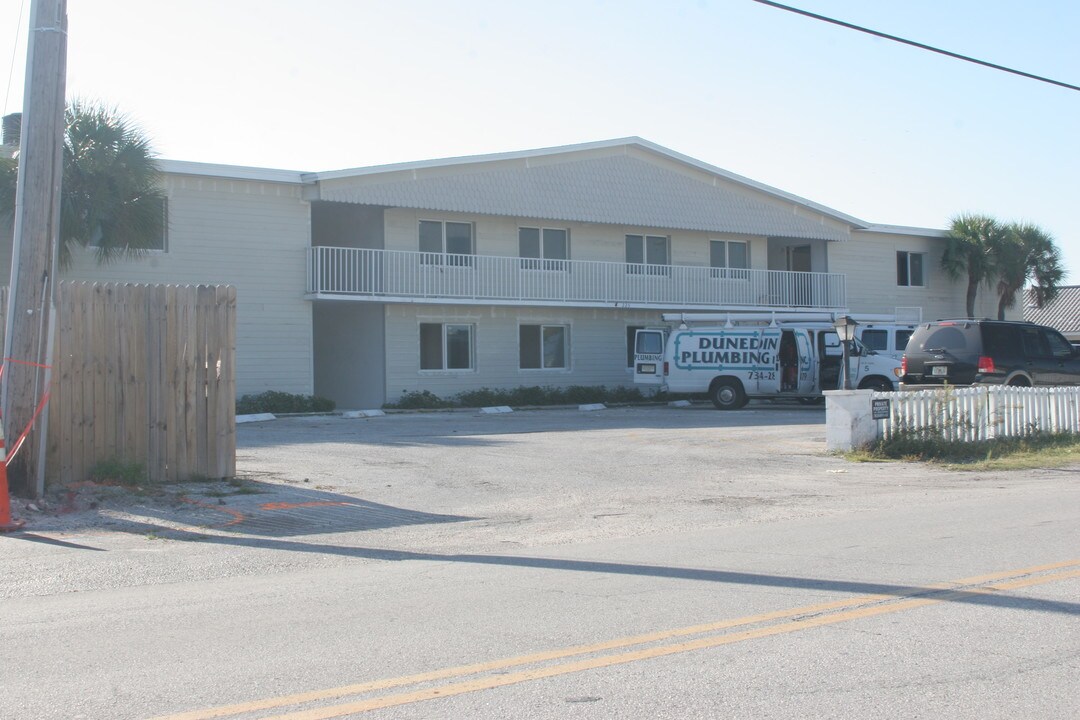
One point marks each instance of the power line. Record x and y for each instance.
(15, 49)
(919, 45)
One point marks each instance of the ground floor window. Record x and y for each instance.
(446, 347)
(543, 346)
(909, 269)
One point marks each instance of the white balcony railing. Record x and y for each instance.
(434, 277)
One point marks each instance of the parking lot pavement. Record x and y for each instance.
(313, 491)
(467, 481)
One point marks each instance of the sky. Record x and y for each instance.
(888, 133)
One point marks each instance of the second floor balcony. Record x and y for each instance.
(399, 276)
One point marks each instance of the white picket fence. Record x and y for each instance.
(981, 413)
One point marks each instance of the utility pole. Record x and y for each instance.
(33, 259)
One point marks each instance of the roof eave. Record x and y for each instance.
(232, 172)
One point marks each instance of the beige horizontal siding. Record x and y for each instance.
(252, 235)
(498, 236)
(869, 261)
(597, 347)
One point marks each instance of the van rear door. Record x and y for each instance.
(649, 356)
(807, 380)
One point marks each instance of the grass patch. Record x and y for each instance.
(1035, 450)
(118, 472)
(248, 491)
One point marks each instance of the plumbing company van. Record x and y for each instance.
(735, 363)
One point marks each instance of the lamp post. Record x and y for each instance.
(845, 329)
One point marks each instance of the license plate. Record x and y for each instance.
(647, 368)
(939, 370)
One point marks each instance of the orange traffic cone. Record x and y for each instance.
(6, 524)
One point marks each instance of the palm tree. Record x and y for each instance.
(969, 250)
(110, 197)
(1027, 253)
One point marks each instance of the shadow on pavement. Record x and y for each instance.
(247, 507)
(950, 595)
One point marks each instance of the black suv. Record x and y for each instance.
(991, 352)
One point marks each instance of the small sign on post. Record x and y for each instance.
(880, 409)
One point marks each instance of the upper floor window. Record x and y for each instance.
(726, 256)
(644, 251)
(446, 347)
(438, 238)
(157, 243)
(909, 268)
(543, 248)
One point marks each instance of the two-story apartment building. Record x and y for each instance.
(523, 268)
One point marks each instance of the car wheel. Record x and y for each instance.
(727, 394)
(1019, 382)
(811, 400)
(876, 383)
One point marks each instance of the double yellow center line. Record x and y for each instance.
(810, 616)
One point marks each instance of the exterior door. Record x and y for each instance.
(799, 261)
(807, 381)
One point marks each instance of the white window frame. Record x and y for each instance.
(726, 270)
(543, 262)
(429, 257)
(645, 267)
(444, 350)
(566, 347)
(907, 270)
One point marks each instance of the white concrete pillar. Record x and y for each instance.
(849, 422)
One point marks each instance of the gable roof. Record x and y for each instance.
(614, 189)
(1063, 313)
(626, 181)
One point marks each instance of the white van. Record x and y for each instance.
(734, 364)
(885, 338)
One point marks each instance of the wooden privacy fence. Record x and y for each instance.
(982, 413)
(143, 374)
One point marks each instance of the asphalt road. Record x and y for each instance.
(631, 563)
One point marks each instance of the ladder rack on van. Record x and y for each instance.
(774, 318)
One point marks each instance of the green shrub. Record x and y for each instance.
(527, 395)
(623, 394)
(524, 396)
(419, 400)
(276, 402)
(484, 397)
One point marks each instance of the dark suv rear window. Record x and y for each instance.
(943, 337)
